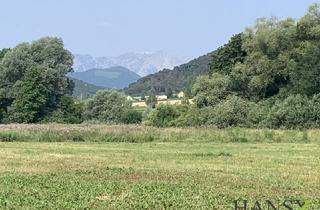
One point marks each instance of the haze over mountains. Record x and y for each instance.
(141, 63)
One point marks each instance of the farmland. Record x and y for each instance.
(105, 167)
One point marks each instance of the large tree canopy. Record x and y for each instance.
(275, 56)
(33, 79)
(271, 62)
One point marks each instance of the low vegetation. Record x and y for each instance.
(157, 175)
(141, 134)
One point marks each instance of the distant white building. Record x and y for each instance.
(129, 98)
(162, 97)
(139, 98)
(181, 94)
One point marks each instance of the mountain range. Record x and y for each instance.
(141, 63)
(116, 77)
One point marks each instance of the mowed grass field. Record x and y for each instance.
(156, 174)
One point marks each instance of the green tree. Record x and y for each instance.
(296, 111)
(231, 112)
(40, 66)
(3, 52)
(223, 59)
(304, 78)
(131, 116)
(164, 115)
(69, 110)
(265, 70)
(266, 76)
(106, 106)
(210, 91)
(308, 27)
(31, 96)
(306, 65)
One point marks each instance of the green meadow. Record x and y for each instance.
(165, 170)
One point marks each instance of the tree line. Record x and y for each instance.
(266, 76)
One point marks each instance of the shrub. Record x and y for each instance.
(314, 109)
(163, 115)
(231, 112)
(295, 111)
(209, 91)
(106, 106)
(131, 116)
(258, 112)
(190, 115)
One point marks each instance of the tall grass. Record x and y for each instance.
(140, 134)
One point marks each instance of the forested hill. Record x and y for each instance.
(84, 89)
(174, 80)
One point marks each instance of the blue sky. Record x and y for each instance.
(111, 27)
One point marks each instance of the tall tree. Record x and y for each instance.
(306, 67)
(224, 58)
(31, 95)
(40, 66)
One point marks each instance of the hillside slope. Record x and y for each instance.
(83, 89)
(115, 77)
(176, 80)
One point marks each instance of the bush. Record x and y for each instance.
(258, 112)
(164, 115)
(131, 116)
(190, 115)
(106, 106)
(209, 91)
(231, 112)
(314, 109)
(296, 111)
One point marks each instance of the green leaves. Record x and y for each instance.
(270, 76)
(106, 106)
(223, 59)
(163, 115)
(33, 79)
(31, 96)
(210, 91)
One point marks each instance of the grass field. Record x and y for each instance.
(171, 172)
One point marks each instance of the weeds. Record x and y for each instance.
(141, 134)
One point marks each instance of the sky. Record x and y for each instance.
(187, 28)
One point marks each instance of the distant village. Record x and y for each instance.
(140, 101)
